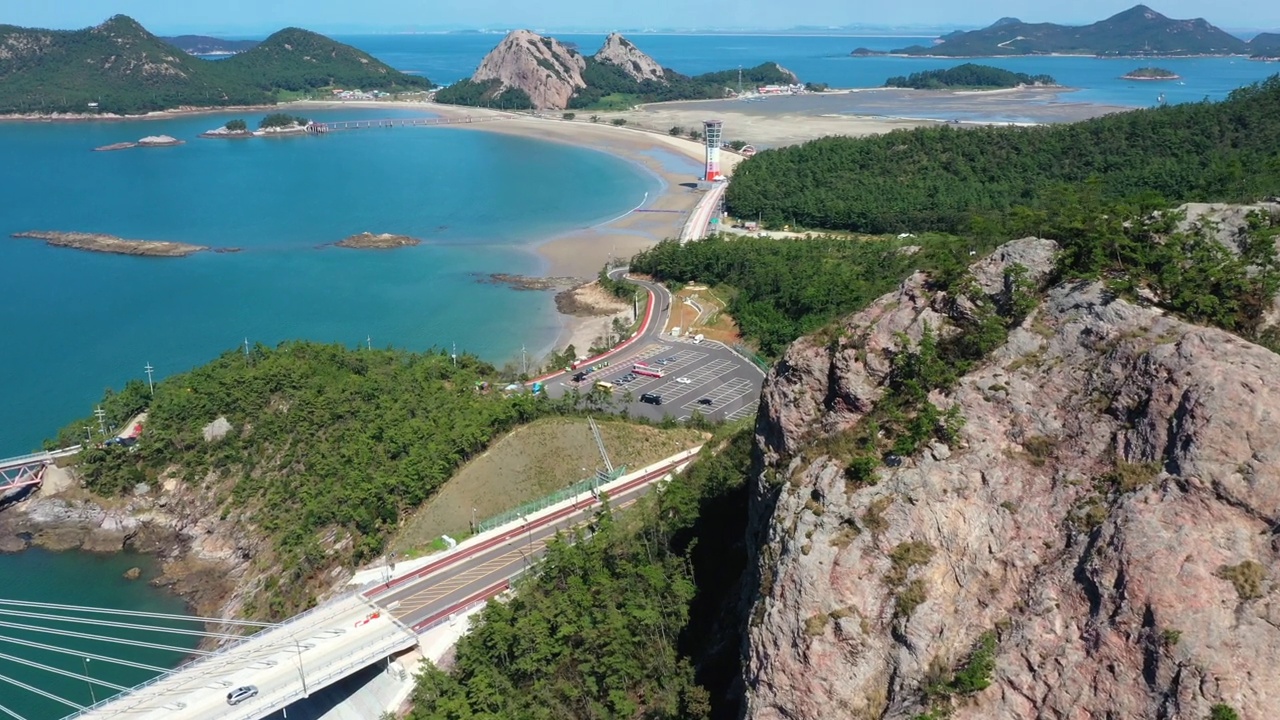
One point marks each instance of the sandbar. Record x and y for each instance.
(97, 242)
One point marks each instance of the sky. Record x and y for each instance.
(171, 16)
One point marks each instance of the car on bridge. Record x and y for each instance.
(242, 693)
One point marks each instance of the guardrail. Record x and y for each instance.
(542, 503)
(514, 532)
(221, 652)
(323, 681)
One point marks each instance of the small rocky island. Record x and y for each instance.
(273, 124)
(149, 141)
(1150, 73)
(381, 241)
(97, 242)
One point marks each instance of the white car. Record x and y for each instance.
(683, 381)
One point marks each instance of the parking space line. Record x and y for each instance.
(744, 411)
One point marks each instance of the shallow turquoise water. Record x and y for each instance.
(94, 580)
(76, 322)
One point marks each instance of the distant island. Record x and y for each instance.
(1265, 46)
(149, 141)
(1138, 31)
(96, 242)
(381, 241)
(118, 68)
(527, 70)
(1150, 73)
(968, 76)
(203, 45)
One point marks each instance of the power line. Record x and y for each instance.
(11, 713)
(79, 653)
(132, 613)
(38, 691)
(104, 638)
(64, 673)
(114, 624)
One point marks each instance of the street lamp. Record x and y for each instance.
(473, 520)
(301, 674)
(92, 695)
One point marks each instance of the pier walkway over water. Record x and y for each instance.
(320, 128)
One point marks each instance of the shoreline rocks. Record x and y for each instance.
(98, 242)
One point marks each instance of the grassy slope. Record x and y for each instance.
(533, 461)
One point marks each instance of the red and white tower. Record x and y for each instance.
(712, 131)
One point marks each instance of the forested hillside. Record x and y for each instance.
(944, 178)
(297, 59)
(968, 75)
(317, 439)
(606, 81)
(626, 625)
(119, 67)
(783, 289)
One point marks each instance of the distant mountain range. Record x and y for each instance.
(119, 67)
(1138, 31)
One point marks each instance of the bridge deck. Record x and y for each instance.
(286, 663)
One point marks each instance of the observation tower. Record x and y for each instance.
(712, 133)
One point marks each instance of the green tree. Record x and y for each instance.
(237, 125)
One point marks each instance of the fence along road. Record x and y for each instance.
(435, 592)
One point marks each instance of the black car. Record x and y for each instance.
(651, 398)
(704, 401)
(579, 377)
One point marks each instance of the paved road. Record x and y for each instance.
(432, 596)
(730, 383)
(285, 663)
(700, 218)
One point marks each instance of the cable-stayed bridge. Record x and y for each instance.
(286, 662)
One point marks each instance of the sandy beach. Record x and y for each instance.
(677, 161)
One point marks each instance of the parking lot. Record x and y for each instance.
(720, 384)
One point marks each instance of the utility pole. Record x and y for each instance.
(88, 434)
(455, 355)
(739, 80)
(150, 384)
(368, 341)
(246, 347)
(102, 420)
(524, 361)
(92, 695)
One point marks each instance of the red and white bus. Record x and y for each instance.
(646, 371)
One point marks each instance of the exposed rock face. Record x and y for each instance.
(1112, 488)
(541, 66)
(99, 242)
(619, 51)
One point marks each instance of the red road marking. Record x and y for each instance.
(513, 533)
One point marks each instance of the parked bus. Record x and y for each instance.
(604, 385)
(647, 372)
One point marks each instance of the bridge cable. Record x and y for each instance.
(91, 656)
(109, 623)
(103, 638)
(64, 673)
(132, 613)
(38, 691)
(11, 713)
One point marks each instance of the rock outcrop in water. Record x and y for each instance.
(381, 241)
(97, 242)
(1105, 523)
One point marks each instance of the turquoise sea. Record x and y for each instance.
(74, 323)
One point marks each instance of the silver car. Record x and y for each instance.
(242, 693)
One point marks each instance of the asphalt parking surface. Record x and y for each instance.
(716, 373)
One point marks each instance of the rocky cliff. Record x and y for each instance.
(620, 51)
(541, 66)
(1099, 541)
